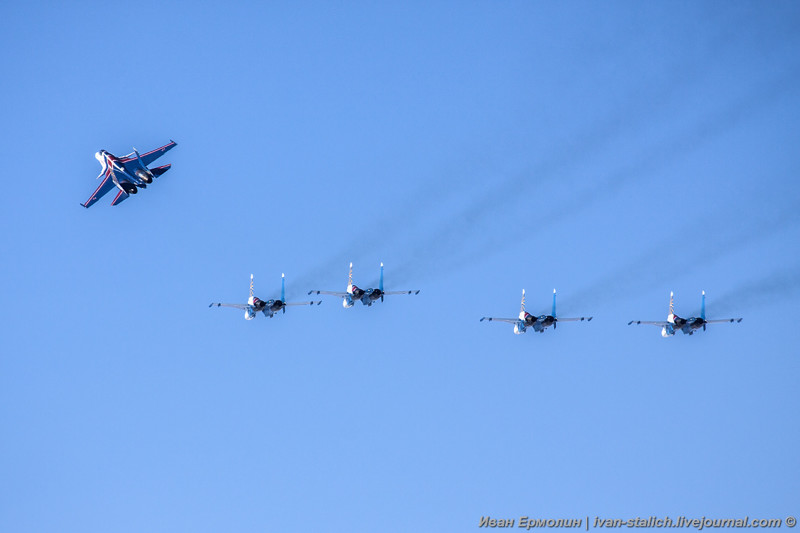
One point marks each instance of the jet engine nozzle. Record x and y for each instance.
(144, 176)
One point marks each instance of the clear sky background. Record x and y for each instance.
(615, 151)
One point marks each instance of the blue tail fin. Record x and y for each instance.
(283, 291)
(380, 283)
(139, 159)
(554, 303)
(703, 306)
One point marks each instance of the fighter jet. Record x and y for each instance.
(128, 173)
(269, 308)
(367, 297)
(686, 325)
(538, 323)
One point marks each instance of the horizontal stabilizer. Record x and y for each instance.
(121, 197)
(160, 170)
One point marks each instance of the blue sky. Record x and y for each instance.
(615, 151)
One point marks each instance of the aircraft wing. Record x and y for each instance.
(400, 292)
(492, 319)
(235, 306)
(330, 293)
(150, 156)
(106, 185)
(577, 319)
(723, 320)
(660, 324)
(303, 303)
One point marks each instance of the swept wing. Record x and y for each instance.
(148, 157)
(106, 185)
(235, 306)
(401, 292)
(330, 293)
(493, 319)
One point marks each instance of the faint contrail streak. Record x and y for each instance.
(447, 244)
(424, 203)
(452, 246)
(774, 287)
(655, 265)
